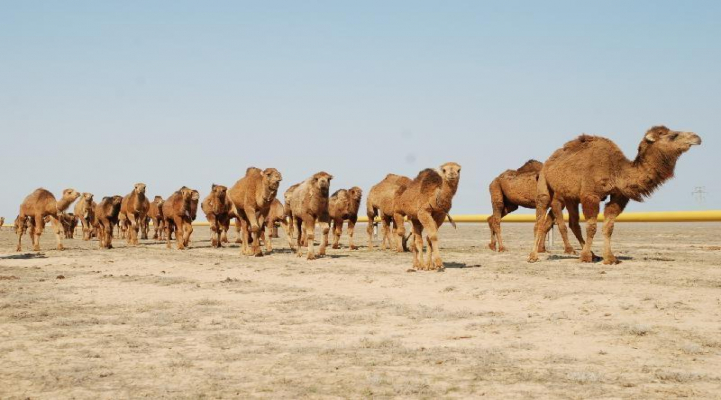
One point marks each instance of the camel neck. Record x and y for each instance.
(63, 204)
(647, 172)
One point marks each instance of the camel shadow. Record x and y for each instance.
(460, 265)
(24, 256)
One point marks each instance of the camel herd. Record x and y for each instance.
(584, 172)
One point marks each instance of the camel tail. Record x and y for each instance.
(453, 223)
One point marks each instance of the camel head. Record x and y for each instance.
(450, 172)
(21, 225)
(272, 178)
(355, 193)
(139, 188)
(219, 191)
(321, 181)
(195, 196)
(87, 198)
(116, 200)
(159, 201)
(666, 141)
(70, 195)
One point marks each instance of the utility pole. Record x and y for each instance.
(699, 194)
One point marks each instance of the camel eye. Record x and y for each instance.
(674, 136)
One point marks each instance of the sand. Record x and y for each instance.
(207, 323)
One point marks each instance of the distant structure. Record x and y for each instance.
(699, 194)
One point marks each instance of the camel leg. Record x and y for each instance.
(574, 221)
(187, 231)
(132, 233)
(39, 226)
(20, 230)
(369, 229)
(613, 208)
(287, 229)
(58, 227)
(238, 231)
(325, 229)
(557, 208)
(550, 218)
(418, 262)
(430, 226)
(494, 223)
(299, 225)
(543, 200)
(214, 231)
(590, 206)
(400, 233)
(351, 229)
(310, 236)
(179, 239)
(337, 231)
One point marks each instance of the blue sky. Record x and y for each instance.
(100, 95)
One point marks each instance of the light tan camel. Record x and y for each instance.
(85, 211)
(106, 217)
(155, 212)
(177, 216)
(216, 207)
(40, 204)
(426, 203)
(133, 211)
(309, 204)
(343, 205)
(251, 197)
(513, 189)
(590, 168)
(381, 203)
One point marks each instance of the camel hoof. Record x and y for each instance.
(569, 251)
(311, 256)
(60, 247)
(19, 248)
(321, 252)
(258, 254)
(586, 257)
(533, 258)
(502, 249)
(354, 247)
(36, 248)
(441, 269)
(336, 246)
(611, 260)
(492, 247)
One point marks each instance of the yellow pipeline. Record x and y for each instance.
(656, 216)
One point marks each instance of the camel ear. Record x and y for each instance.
(330, 177)
(649, 137)
(214, 186)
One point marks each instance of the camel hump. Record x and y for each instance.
(531, 166)
(252, 170)
(338, 193)
(429, 179)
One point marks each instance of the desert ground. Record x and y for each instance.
(206, 323)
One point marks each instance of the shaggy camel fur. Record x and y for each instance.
(155, 213)
(177, 216)
(133, 211)
(251, 197)
(589, 168)
(343, 205)
(215, 207)
(513, 189)
(309, 204)
(106, 217)
(426, 203)
(381, 203)
(85, 211)
(276, 215)
(40, 204)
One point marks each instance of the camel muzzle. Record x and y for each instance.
(692, 138)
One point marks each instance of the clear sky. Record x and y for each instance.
(100, 95)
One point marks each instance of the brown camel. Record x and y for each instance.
(380, 203)
(215, 206)
(133, 211)
(106, 217)
(589, 168)
(155, 212)
(276, 215)
(85, 211)
(2, 222)
(251, 197)
(69, 222)
(309, 204)
(343, 205)
(40, 204)
(513, 189)
(426, 203)
(177, 216)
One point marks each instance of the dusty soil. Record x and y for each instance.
(151, 322)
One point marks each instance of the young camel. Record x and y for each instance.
(251, 197)
(343, 205)
(177, 216)
(309, 204)
(426, 202)
(215, 206)
(589, 168)
(84, 210)
(40, 204)
(133, 211)
(155, 212)
(106, 217)
(381, 203)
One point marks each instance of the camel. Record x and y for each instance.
(85, 211)
(133, 211)
(2, 222)
(380, 203)
(177, 216)
(309, 204)
(251, 198)
(276, 215)
(343, 205)
(215, 207)
(69, 222)
(513, 189)
(155, 212)
(590, 168)
(426, 203)
(106, 217)
(40, 204)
